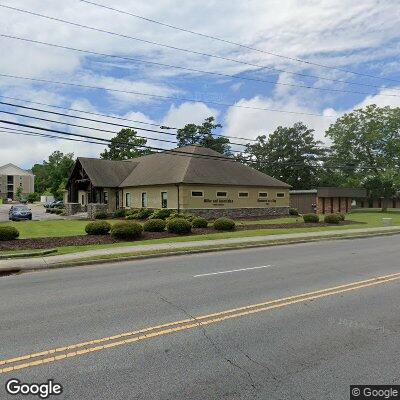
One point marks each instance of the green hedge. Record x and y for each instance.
(179, 225)
(187, 216)
(341, 216)
(98, 228)
(120, 213)
(332, 219)
(161, 214)
(224, 224)
(199, 222)
(101, 215)
(293, 211)
(126, 230)
(154, 225)
(310, 218)
(8, 233)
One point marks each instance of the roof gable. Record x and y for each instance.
(11, 169)
(106, 173)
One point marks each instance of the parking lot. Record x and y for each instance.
(38, 212)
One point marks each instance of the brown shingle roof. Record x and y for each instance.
(107, 173)
(195, 168)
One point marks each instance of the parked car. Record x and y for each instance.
(19, 213)
(54, 204)
(58, 204)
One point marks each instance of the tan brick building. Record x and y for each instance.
(12, 178)
(190, 179)
(325, 200)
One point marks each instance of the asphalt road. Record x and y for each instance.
(310, 349)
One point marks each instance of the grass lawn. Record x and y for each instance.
(35, 229)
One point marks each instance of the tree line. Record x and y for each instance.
(364, 152)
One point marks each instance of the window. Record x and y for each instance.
(128, 200)
(262, 194)
(243, 194)
(105, 197)
(222, 194)
(197, 194)
(164, 199)
(280, 194)
(144, 199)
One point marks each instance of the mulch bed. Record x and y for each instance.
(82, 240)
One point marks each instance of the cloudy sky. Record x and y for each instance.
(362, 37)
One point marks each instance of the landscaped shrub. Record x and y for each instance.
(161, 214)
(98, 228)
(179, 225)
(293, 211)
(224, 224)
(126, 230)
(120, 213)
(154, 225)
(101, 215)
(199, 222)
(8, 233)
(144, 213)
(131, 216)
(310, 218)
(32, 197)
(187, 216)
(341, 216)
(332, 219)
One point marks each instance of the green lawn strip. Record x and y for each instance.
(210, 248)
(224, 235)
(27, 253)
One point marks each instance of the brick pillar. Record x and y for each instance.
(320, 205)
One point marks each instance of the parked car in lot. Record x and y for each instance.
(54, 204)
(19, 213)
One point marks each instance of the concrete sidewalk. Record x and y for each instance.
(59, 260)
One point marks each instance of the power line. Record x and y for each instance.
(111, 116)
(163, 97)
(87, 112)
(187, 51)
(238, 44)
(102, 122)
(93, 120)
(169, 151)
(158, 64)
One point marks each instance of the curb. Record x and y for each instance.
(173, 253)
(27, 254)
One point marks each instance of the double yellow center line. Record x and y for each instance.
(62, 353)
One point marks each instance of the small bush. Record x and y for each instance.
(187, 216)
(144, 213)
(98, 228)
(199, 222)
(32, 197)
(179, 225)
(120, 213)
(342, 216)
(161, 214)
(224, 224)
(310, 218)
(154, 225)
(8, 233)
(131, 216)
(126, 230)
(332, 219)
(101, 215)
(293, 211)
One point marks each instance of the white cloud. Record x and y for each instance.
(179, 116)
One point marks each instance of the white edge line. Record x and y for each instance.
(232, 270)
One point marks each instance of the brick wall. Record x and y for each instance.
(238, 212)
